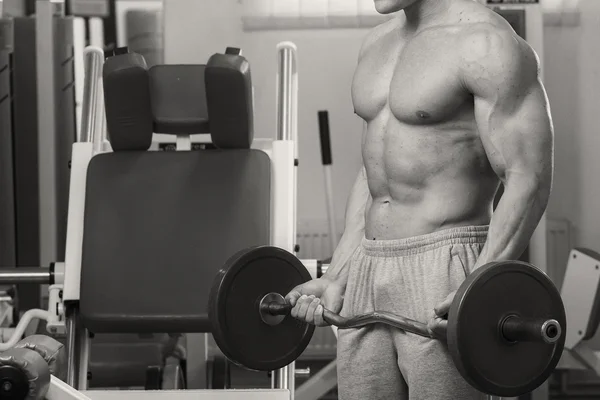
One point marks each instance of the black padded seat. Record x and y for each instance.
(157, 228)
(121, 360)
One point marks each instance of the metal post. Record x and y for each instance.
(72, 348)
(84, 340)
(92, 114)
(287, 94)
(327, 160)
(285, 102)
(91, 110)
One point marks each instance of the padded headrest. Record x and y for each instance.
(178, 98)
(127, 102)
(230, 102)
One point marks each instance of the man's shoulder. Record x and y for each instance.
(489, 47)
(375, 34)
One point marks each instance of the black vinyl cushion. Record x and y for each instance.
(230, 102)
(127, 102)
(178, 97)
(157, 228)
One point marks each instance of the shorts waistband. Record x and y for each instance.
(417, 244)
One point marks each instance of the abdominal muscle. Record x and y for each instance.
(425, 178)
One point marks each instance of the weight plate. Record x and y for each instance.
(484, 358)
(236, 323)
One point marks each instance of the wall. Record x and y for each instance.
(572, 63)
(196, 29)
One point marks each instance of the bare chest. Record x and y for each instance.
(416, 80)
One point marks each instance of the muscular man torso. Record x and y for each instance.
(425, 163)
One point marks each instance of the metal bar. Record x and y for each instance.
(72, 349)
(331, 217)
(319, 384)
(23, 325)
(93, 58)
(35, 275)
(281, 378)
(85, 343)
(196, 347)
(327, 159)
(102, 136)
(285, 103)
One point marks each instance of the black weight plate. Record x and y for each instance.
(236, 324)
(483, 357)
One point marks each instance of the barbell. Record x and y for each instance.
(505, 331)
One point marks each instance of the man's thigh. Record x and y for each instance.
(367, 365)
(429, 370)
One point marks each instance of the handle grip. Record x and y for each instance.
(325, 138)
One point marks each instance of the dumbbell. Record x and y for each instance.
(505, 331)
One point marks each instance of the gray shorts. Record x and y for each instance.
(408, 277)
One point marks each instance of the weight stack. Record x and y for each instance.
(7, 200)
(145, 35)
(30, 206)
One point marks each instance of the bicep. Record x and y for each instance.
(511, 107)
(516, 131)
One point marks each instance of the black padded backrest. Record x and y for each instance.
(178, 97)
(158, 226)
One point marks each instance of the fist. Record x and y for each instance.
(311, 298)
(439, 322)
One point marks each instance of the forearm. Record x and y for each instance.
(354, 230)
(515, 219)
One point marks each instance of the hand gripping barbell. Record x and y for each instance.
(505, 331)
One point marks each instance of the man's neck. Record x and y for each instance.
(424, 13)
